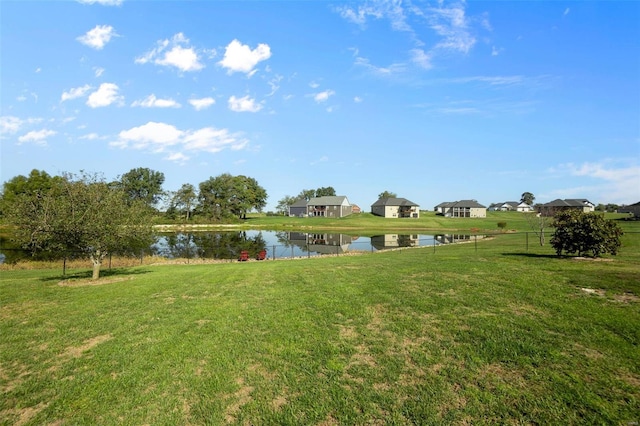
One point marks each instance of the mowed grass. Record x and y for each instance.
(403, 337)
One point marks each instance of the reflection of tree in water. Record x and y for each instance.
(227, 245)
(405, 241)
(180, 246)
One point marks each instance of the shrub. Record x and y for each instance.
(502, 225)
(585, 233)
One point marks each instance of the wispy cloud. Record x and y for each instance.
(152, 101)
(98, 37)
(380, 71)
(175, 52)
(39, 137)
(102, 2)
(323, 96)
(240, 57)
(74, 93)
(609, 181)
(10, 124)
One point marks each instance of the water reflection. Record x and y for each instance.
(277, 244)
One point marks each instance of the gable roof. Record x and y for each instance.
(445, 204)
(468, 204)
(340, 200)
(302, 202)
(570, 202)
(390, 201)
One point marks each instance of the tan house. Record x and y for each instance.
(462, 208)
(395, 207)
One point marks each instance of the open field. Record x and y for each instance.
(416, 336)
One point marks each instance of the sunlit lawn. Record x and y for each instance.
(418, 336)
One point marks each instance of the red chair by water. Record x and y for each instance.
(262, 255)
(244, 256)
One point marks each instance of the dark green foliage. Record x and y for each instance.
(80, 216)
(226, 196)
(387, 194)
(527, 198)
(585, 234)
(143, 184)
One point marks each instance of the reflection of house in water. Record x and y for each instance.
(457, 238)
(322, 243)
(387, 241)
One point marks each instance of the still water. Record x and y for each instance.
(277, 244)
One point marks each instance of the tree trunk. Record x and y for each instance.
(96, 259)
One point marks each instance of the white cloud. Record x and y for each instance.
(98, 71)
(244, 104)
(74, 93)
(323, 96)
(102, 2)
(202, 103)
(90, 136)
(161, 137)
(39, 137)
(175, 52)
(422, 59)
(10, 124)
(98, 37)
(106, 95)
(152, 102)
(239, 57)
(613, 181)
(357, 99)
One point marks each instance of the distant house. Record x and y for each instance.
(443, 207)
(508, 206)
(355, 209)
(299, 208)
(395, 207)
(462, 208)
(329, 206)
(633, 209)
(555, 206)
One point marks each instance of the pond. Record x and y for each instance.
(277, 244)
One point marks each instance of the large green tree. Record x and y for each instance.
(81, 215)
(143, 184)
(285, 203)
(585, 234)
(226, 195)
(38, 182)
(527, 198)
(185, 199)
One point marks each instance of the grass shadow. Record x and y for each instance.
(535, 255)
(107, 273)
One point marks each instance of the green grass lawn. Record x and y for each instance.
(418, 336)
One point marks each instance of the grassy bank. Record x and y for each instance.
(428, 221)
(401, 337)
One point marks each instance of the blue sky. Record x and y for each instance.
(433, 100)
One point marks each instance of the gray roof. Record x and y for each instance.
(302, 202)
(468, 203)
(446, 204)
(390, 201)
(328, 201)
(571, 202)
